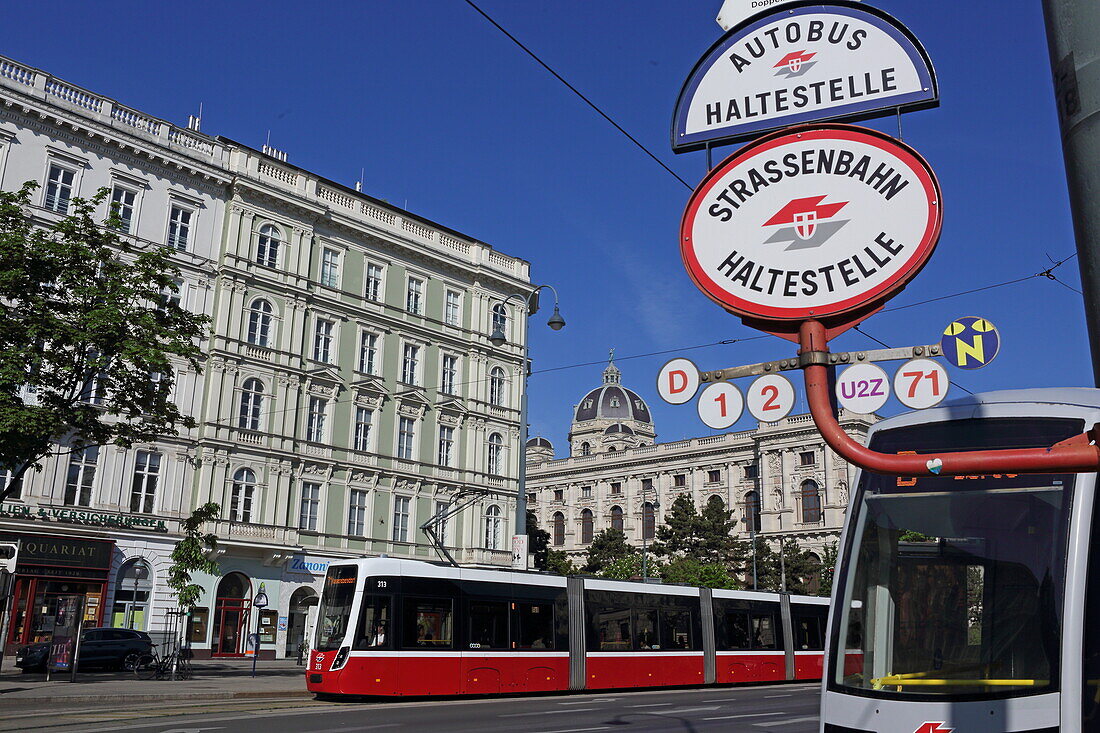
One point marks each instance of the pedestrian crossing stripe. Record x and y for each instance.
(970, 342)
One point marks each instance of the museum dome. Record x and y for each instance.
(612, 401)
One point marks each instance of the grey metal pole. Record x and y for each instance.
(782, 568)
(1074, 46)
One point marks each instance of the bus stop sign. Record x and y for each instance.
(822, 222)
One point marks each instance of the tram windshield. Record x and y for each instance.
(954, 585)
(335, 611)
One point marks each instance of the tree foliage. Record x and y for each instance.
(801, 569)
(690, 571)
(190, 556)
(85, 328)
(679, 534)
(828, 567)
(538, 541)
(557, 561)
(629, 567)
(607, 546)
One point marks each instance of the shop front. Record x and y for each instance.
(49, 567)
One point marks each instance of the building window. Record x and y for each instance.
(811, 502)
(452, 308)
(492, 528)
(679, 480)
(363, 418)
(752, 511)
(752, 471)
(558, 524)
(315, 419)
(616, 487)
(179, 227)
(448, 380)
(259, 322)
(806, 458)
(446, 445)
(496, 452)
(496, 387)
(401, 518)
(322, 340)
(240, 498)
(144, 490)
(617, 518)
(587, 525)
(368, 352)
(267, 246)
(441, 508)
(357, 512)
(373, 289)
(122, 207)
(81, 479)
(559, 494)
(307, 511)
(406, 435)
(649, 521)
(414, 295)
(586, 492)
(252, 397)
(500, 319)
(647, 485)
(714, 477)
(59, 189)
(410, 361)
(330, 268)
(586, 449)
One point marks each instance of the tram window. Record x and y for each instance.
(427, 622)
(675, 629)
(374, 624)
(807, 631)
(645, 629)
(612, 628)
(335, 612)
(488, 625)
(534, 624)
(763, 631)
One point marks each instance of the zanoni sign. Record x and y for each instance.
(800, 63)
(811, 223)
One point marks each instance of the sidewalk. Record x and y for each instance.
(214, 679)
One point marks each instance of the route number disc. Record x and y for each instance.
(770, 398)
(678, 381)
(921, 383)
(863, 388)
(720, 405)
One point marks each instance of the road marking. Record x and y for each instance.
(574, 730)
(654, 705)
(546, 712)
(789, 721)
(589, 702)
(768, 697)
(742, 715)
(687, 710)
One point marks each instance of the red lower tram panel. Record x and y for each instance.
(609, 671)
(735, 667)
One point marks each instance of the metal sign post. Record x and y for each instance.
(259, 603)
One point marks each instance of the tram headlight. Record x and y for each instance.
(341, 658)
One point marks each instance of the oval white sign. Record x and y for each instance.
(863, 388)
(799, 65)
(720, 405)
(678, 381)
(770, 398)
(921, 383)
(811, 223)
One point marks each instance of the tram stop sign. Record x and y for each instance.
(823, 222)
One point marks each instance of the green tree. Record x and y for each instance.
(799, 567)
(629, 567)
(538, 541)
(190, 556)
(557, 561)
(690, 571)
(87, 335)
(679, 534)
(716, 530)
(607, 546)
(828, 566)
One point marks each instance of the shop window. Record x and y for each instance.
(199, 619)
(132, 590)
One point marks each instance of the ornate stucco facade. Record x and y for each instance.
(782, 472)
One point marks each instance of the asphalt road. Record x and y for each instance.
(789, 708)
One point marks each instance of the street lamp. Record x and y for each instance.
(497, 338)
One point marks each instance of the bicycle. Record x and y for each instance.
(150, 665)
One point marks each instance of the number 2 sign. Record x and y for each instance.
(921, 383)
(770, 398)
(720, 405)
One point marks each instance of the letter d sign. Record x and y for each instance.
(678, 381)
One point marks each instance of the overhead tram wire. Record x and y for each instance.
(882, 343)
(576, 91)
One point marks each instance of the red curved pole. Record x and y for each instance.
(1075, 455)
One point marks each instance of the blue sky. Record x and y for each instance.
(447, 117)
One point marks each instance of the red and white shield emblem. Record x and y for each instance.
(805, 224)
(795, 64)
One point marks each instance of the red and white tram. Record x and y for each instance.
(404, 627)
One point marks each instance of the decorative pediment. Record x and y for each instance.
(370, 392)
(324, 382)
(451, 410)
(317, 470)
(412, 402)
(369, 478)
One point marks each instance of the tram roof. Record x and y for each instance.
(1034, 402)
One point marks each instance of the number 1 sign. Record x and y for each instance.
(770, 398)
(921, 383)
(720, 405)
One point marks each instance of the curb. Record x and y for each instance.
(168, 697)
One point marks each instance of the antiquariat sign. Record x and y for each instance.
(810, 223)
(802, 63)
(82, 517)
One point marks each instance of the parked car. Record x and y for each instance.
(103, 647)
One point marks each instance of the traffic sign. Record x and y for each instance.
(720, 405)
(791, 66)
(811, 223)
(770, 398)
(921, 383)
(678, 381)
(970, 342)
(863, 388)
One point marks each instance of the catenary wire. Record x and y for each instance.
(880, 342)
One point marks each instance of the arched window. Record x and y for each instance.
(586, 526)
(134, 585)
(259, 322)
(240, 500)
(611, 449)
(496, 387)
(752, 511)
(617, 518)
(496, 454)
(586, 449)
(267, 245)
(252, 402)
(811, 502)
(649, 521)
(558, 526)
(492, 528)
(500, 319)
